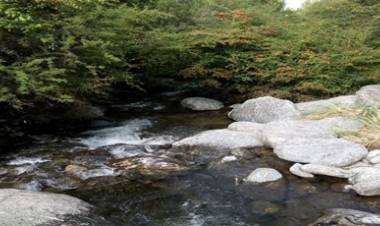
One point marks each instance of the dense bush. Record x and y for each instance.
(56, 52)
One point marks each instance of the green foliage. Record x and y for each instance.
(62, 51)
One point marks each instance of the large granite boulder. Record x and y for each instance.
(249, 127)
(263, 175)
(369, 95)
(277, 132)
(329, 152)
(213, 145)
(321, 105)
(347, 217)
(220, 139)
(201, 104)
(27, 208)
(264, 110)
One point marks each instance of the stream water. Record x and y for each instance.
(204, 192)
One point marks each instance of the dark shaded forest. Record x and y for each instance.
(56, 55)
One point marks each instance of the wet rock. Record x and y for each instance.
(330, 152)
(84, 173)
(321, 105)
(347, 217)
(316, 169)
(263, 175)
(27, 208)
(297, 170)
(369, 95)
(374, 157)
(277, 132)
(74, 169)
(151, 165)
(201, 104)
(221, 139)
(264, 110)
(263, 207)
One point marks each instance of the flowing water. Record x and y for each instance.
(156, 186)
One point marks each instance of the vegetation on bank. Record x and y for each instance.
(65, 52)
(368, 135)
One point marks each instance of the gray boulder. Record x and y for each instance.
(347, 217)
(264, 110)
(201, 104)
(27, 208)
(220, 139)
(321, 105)
(296, 169)
(369, 95)
(366, 181)
(317, 169)
(277, 132)
(330, 152)
(367, 188)
(263, 175)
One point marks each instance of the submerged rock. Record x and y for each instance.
(369, 95)
(321, 105)
(263, 175)
(27, 208)
(220, 139)
(347, 217)
(264, 110)
(151, 165)
(201, 104)
(264, 207)
(85, 173)
(330, 152)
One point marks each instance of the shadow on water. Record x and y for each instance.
(210, 194)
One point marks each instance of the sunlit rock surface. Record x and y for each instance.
(26, 208)
(264, 110)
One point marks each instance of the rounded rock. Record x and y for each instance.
(264, 110)
(263, 175)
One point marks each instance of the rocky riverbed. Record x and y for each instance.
(154, 162)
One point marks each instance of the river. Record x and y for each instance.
(203, 192)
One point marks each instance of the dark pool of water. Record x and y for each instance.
(207, 194)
